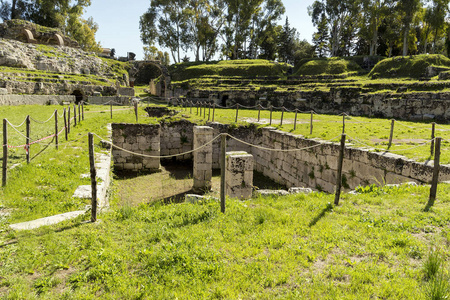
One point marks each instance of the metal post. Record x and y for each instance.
(339, 170)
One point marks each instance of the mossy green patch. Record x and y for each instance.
(408, 66)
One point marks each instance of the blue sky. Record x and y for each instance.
(118, 22)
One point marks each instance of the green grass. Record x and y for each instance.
(241, 68)
(329, 66)
(45, 186)
(361, 131)
(412, 67)
(372, 245)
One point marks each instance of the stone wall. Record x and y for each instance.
(34, 99)
(314, 167)
(118, 100)
(137, 138)
(177, 137)
(417, 106)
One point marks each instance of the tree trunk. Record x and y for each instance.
(405, 40)
(373, 49)
(433, 49)
(13, 10)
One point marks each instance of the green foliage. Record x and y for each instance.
(245, 67)
(296, 246)
(413, 66)
(328, 66)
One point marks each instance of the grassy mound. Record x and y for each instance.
(329, 66)
(245, 67)
(408, 66)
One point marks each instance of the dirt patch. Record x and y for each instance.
(159, 112)
(171, 184)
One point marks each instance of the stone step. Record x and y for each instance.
(46, 221)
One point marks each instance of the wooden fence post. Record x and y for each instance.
(136, 111)
(209, 111)
(79, 112)
(343, 123)
(27, 144)
(214, 110)
(65, 124)
(190, 109)
(74, 115)
(82, 110)
(282, 115)
(5, 152)
(204, 109)
(391, 135)
(237, 112)
(311, 123)
(295, 119)
(93, 178)
(196, 104)
(259, 112)
(68, 120)
(271, 107)
(435, 179)
(339, 170)
(433, 127)
(56, 129)
(223, 149)
(110, 109)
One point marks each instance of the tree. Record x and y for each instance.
(304, 50)
(407, 9)
(287, 43)
(372, 16)
(321, 38)
(152, 53)
(166, 22)
(206, 18)
(15, 9)
(268, 42)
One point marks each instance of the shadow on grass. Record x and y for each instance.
(322, 213)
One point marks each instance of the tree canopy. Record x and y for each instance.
(63, 14)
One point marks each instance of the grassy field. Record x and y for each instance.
(411, 139)
(45, 186)
(375, 245)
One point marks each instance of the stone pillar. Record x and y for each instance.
(202, 158)
(239, 175)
